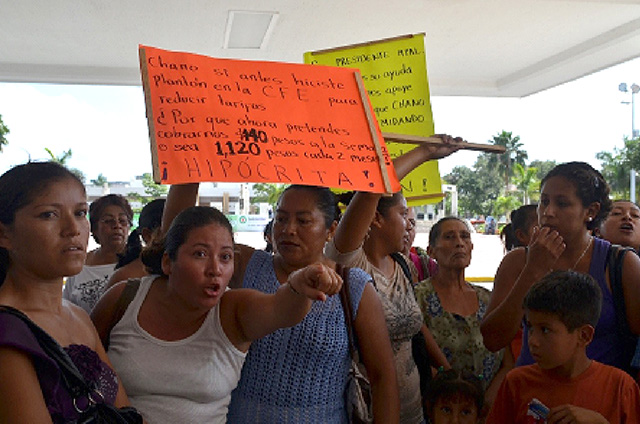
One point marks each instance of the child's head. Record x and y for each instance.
(524, 219)
(454, 397)
(562, 310)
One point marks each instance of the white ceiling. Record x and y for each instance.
(474, 47)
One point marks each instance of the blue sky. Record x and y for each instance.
(105, 126)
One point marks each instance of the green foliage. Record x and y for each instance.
(505, 204)
(512, 155)
(152, 189)
(617, 165)
(527, 182)
(4, 131)
(133, 197)
(267, 193)
(543, 167)
(100, 181)
(478, 188)
(62, 160)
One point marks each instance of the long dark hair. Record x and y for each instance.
(150, 219)
(384, 203)
(186, 221)
(450, 383)
(520, 220)
(19, 186)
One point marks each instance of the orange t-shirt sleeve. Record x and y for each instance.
(631, 403)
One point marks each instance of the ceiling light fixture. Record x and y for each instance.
(248, 29)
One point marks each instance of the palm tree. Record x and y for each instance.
(513, 154)
(4, 130)
(62, 160)
(526, 180)
(100, 180)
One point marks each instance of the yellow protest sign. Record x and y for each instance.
(395, 76)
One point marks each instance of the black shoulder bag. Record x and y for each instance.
(614, 262)
(81, 392)
(358, 392)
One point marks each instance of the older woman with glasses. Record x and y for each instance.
(110, 217)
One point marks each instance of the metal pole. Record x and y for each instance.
(632, 186)
(635, 88)
(633, 115)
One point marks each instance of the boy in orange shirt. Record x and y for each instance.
(564, 385)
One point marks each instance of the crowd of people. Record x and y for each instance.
(176, 320)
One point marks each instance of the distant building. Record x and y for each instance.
(231, 198)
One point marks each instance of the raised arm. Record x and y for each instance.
(248, 315)
(361, 211)
(180, 197)
(517, 272)
(355, 222)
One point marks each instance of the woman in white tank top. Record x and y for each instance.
(181, 343)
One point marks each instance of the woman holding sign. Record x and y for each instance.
(299, 374)
(372, 229)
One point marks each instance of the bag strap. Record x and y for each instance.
(345, 299)
(615, 261)
(73, 380)
(126, 297)
(396, 256)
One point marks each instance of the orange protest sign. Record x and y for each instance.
(216, 119)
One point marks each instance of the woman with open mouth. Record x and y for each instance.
(180, 343)
(622, 225)
(299, 374)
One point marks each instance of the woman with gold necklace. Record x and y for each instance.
(574, 199)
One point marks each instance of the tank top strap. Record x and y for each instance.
(599, 260)
(131, 313)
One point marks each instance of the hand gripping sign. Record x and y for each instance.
(216, 119)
